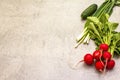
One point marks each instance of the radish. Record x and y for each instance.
(107, 56)
(99, 65)
(110, 64)
(88, 59)
(104, 47)
(97, 54)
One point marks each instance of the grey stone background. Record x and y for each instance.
(37, 39)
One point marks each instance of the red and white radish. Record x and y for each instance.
(97, 55)
(107, 56)
(99, 65)
(110, 64)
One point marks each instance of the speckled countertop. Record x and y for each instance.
(37, 39)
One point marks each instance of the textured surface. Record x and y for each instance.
(37, 39)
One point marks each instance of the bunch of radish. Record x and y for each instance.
(102, 58)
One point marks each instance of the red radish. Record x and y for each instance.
(110, 64)
(97, 54)
(99, 66)
(104, 47)
(107, 56)
(88, 59)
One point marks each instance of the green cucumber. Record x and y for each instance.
(89, 11)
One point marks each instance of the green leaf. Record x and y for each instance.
(94, 31)
(116, 36)
(116, 39)
(118, 44)
(97, 42)
(105, 29)
(117, 3)
(92, 34)
(95, 20)
(117, 51)
(104, 18)
(92, 26)
(112, 26)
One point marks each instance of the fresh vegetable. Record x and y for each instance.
(104, 47)
(110, 64)
(117, 3)
(102, 58)
(89, 11)
(97, 55)
(103, 32)
(106, 55)
(88, 59)
(105, 8)
(99, 66)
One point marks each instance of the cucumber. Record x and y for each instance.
(89, 11)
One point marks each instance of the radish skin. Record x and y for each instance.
(104, 47)
(107, 56)
(97, 55)
(88, 59)
(110, 64)
(99, 65)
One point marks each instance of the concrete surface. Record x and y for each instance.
(37, 39)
